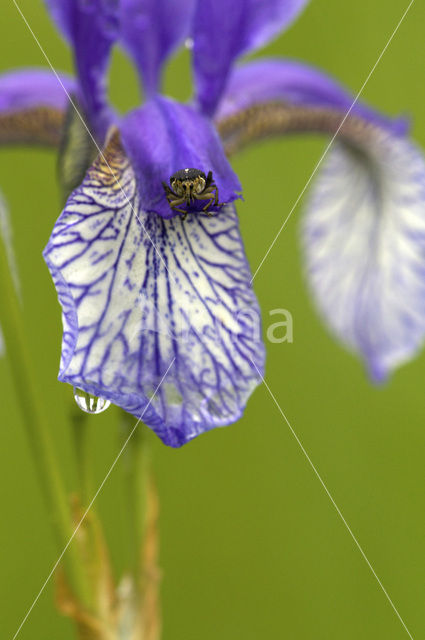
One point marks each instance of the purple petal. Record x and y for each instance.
(270, 80)
(224, 30)
(151, 30)
(27, 88)
(364, 236)
(163, 137)
(140, 293)
(91, 28)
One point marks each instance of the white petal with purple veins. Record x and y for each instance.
(138, 291)
(364, 240)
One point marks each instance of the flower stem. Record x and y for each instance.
(138, 478)
(81, 432)
(36, 424)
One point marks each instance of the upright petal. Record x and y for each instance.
(151, 30)
(163, 137)
(364, 242)
(143, 297)
(224, 30)
(91, 28)
(271, 80)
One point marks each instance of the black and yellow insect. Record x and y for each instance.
(188, 185)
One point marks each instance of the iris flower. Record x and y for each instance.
(158, 309)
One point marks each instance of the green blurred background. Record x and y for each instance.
(251, 546)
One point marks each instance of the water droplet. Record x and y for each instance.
(188, 43)
(88, 403)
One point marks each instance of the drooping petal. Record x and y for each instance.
(28, 88)
(91, 28)
(151, 30)
(32, 106)
(364, 241)
(163, 137)
(224, 30)
(271, 79)
(142, 296)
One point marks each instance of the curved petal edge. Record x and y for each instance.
(143, 296)
(271, 79)
(364, 244)
(28, 88)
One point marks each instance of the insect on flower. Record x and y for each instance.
(188, 185)
(362, 233)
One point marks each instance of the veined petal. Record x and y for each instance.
(142, 296)
(163, 137)
(270, 80)
(364, 242)
(151, 30)
(224, 30)
(91, 28)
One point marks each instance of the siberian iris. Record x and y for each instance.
(159, 313)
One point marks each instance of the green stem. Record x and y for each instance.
(138, 476)
(36, 425)
(81, 434)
